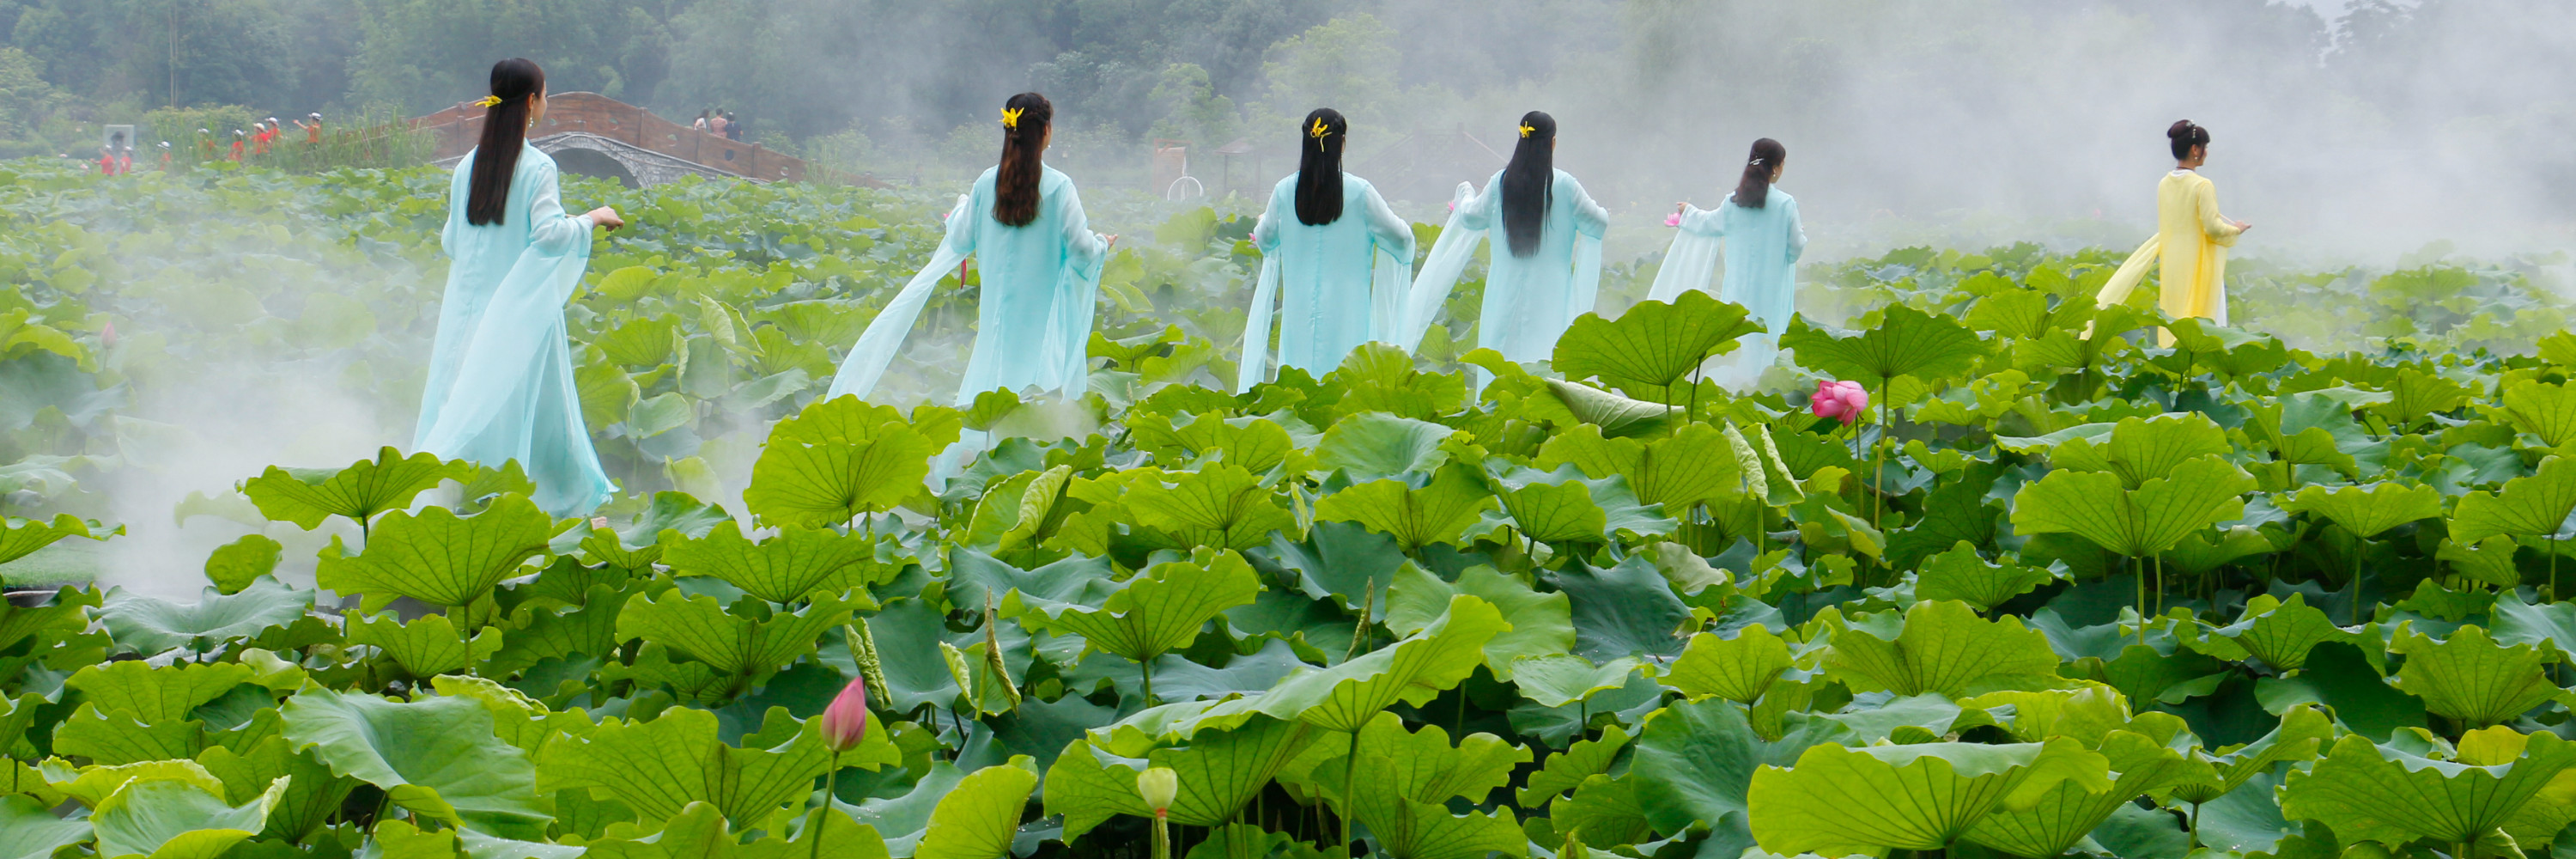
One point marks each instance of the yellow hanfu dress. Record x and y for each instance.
(2190, 246)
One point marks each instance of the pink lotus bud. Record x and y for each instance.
(1839, 400)
(845, 722)
(107, 334)
(1673, 220)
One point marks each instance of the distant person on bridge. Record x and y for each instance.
(1334, 252)
(1040, 263)
(2191, 241)
(716, 126)
(733, 127)
(1545, 265)
(500, 384)
(701, 124)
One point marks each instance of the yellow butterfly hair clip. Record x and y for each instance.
(487, 101)
(1011, 118)
(1526, 130)
(1319, 131)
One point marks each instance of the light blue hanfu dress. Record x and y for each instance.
(1337, 285)
(1041, 289)
(1762, 250)
(1529, 301)
(500, 372)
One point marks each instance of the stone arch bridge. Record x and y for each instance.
(593, 135)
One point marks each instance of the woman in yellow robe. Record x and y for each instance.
(2191, 241)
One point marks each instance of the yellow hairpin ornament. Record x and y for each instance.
(1011, 118)
(1526, 130)
(487, 101)
(1319, 131)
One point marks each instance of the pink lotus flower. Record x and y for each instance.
(107, 335)
(1843, 401)
(845, 722)
(1673, 220)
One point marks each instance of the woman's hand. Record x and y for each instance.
(2242, 226)
(1111, 240)
(606, 217)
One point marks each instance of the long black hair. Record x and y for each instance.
(1755, 188)
(1015, 188)
(1319, 167)
(505, 130)
(1529, 183)
(2185, 134)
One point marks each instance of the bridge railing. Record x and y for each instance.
(457, 128)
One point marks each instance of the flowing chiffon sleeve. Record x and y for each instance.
(2204, 199)
(1797, 244)
(1591, 222)
(1688, 264)
(2131, 273)
(1257, 354)
(1391, 275)
(1442, 266)
(1077, 300)
(876, 348)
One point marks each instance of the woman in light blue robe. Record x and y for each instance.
(500, 384)
(1040, 265)
(1334, 254)
(1763, 240)
(1546, 259)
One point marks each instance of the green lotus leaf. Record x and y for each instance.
(2367, 792)
(979, 819)
(306, 496)
(1219, 773)
(2301, 731)
(699, 832)
(1399, 784)
(438, 557)
(1939, 647)
(976, 579)
(1564, 506)
(1960, 574)
(436, 757)
(149, 626)
(2202, 552)
(753, 642)
(2138, 523)
(1566, 770)
(2367, 511)
(2415, 395)
(1375, 445)
(640, 544)
(1253, 444)
(1413, 670)
(782, 568)
(313, 794)
(541, 634)
(174, 819)
(1838, 801)
(1220, 505)
(2310, 428)
(426, 646)
(2278, 632)
(843, 457)
(1378, 377)
(2470, 678)
(1694, 465)
(236, 565)
(2343, 679)
(1695, 764)
(1907, 342)
(659, 767)
(2025, 313)
(2085, 349)
(132, 711)
(2058, 819)
(1626, 610)
(1617, 416)
(1445, 509)
(1603, 810)
(2517, 622)
(2542, 409)
(22, 537)
(1041, 510)
(1653, 342)
(1738, 669)
(2142, 449)
(2536, 505)
(1540, 623)
(1561, 679)
(2231, 351)
(29, 831)
(1158, 611)
(901, 819)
